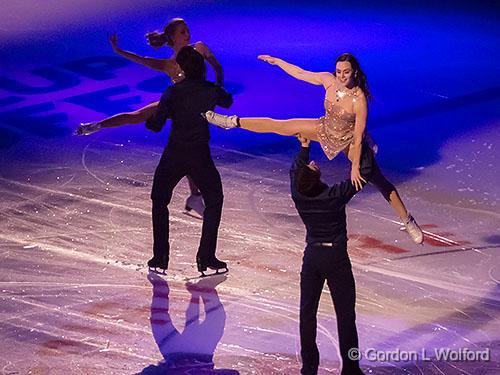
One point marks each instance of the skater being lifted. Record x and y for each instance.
(341, 129)
(176, 35)
(188, 153)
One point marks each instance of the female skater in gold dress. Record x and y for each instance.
(341, 129)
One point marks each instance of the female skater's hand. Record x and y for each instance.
(269, 59)
(356, 178)
(88, 128)
(303, 141)
(113, 39)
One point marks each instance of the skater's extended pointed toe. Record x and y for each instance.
(222, 121)
(413, 230)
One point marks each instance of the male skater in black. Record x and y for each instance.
(188, 153)
(322, 209)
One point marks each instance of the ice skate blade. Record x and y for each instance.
(158, 270)
(217, 272)
(192, 213)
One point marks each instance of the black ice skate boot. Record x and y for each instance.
(195, 203)
(156, 263)
(213, 264)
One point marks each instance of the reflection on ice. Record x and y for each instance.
(190, 349)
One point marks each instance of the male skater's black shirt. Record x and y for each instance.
(324, 214)
(184, 103)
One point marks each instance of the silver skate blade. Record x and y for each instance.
(216, 271)
(193, 214)
(163, 271)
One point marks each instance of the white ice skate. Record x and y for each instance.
(88, 128)
(413, 229)
(222, 121)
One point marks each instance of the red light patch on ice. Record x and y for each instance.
(368, 242)
(440, 239)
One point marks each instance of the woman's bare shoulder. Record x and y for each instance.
(329, 80)
(359, 93)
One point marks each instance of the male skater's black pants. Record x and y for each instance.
(332, 264)
(175, 163)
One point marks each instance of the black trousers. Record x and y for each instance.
(333, 265)
(378, 179)
(175, 163)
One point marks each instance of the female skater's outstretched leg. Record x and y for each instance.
(389, 192)
(194, 201)
(126, 118)
(307, 127)
(391, 195)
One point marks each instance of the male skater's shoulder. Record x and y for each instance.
(221, 97)
(184, 101)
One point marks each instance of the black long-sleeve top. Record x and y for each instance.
(324, 214)
(184, 103)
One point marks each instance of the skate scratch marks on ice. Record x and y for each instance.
(270, 307)
(97, 346)
(66, 311)
(91, 200)
(67, 285)
(75, 254)
(462, 249)
(84, 153)
(448, 286)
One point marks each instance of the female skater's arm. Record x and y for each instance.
(361, 111)
(162, 65)
(321, 78)
(203, 49)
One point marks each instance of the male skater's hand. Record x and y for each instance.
(304, 142)
(269, 59)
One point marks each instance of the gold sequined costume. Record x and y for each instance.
(335, 130)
